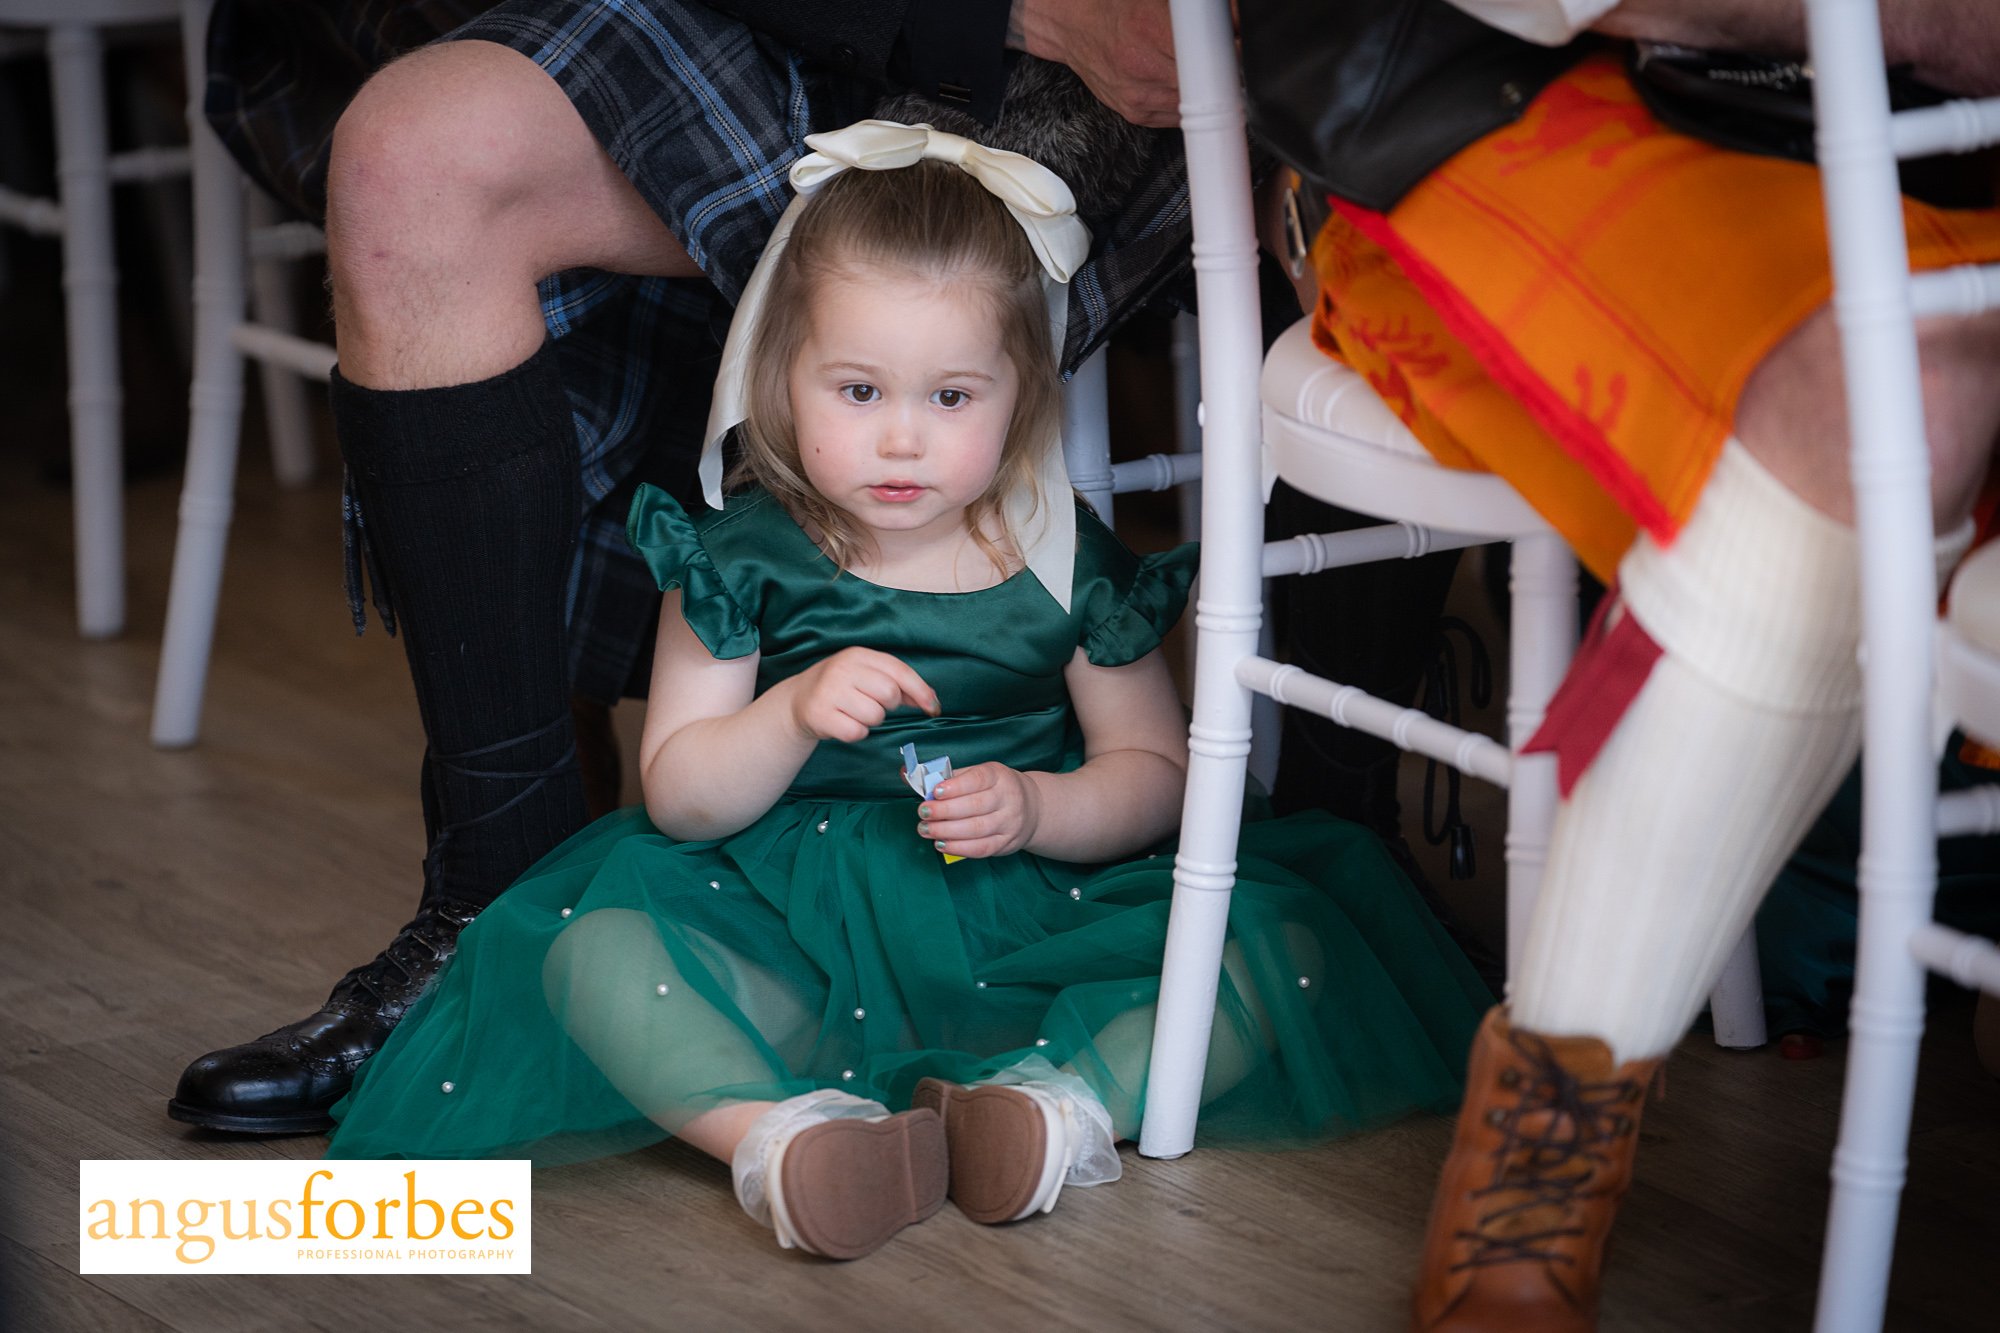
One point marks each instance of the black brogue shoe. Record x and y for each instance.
(287, 1081)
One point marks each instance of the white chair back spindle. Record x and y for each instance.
(1875, 301)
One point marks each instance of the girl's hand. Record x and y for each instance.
(848, 694)
(985, 810)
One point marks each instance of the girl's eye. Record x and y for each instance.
(859, 393)
(950, 398)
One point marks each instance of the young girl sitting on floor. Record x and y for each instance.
(786, 941)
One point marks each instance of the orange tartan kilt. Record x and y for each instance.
(1576, 301)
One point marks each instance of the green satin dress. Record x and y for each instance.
(629, 981)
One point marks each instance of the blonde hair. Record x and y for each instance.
(933, 220)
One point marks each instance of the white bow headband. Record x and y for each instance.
(1038, 200)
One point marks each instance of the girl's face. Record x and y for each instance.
(901, 395)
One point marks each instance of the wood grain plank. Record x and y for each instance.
(38, 1293)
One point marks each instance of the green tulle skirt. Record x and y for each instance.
(629, 982)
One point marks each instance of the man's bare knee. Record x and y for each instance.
(428, 155)
(1793, 412)
(1961, 371)
(462, 176)
(469, 154)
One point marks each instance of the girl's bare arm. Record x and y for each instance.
(715, 755)
(1126, 794)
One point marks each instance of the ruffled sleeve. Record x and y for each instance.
(671, 545)
(1125, 604)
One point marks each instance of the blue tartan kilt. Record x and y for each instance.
(703, 115)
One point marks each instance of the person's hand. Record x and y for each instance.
(1123, 50)
(985, 810)
(848, 694)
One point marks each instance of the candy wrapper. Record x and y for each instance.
(924, 778)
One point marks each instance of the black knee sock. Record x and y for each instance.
(470, 499)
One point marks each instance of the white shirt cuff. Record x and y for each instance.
(1548, 22)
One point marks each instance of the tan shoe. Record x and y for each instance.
(837, 1176)
(1007, 1149)
(1016, 1139)
(842, 1189)
(1541, 1157)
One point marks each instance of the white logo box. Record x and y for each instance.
(304, 1217)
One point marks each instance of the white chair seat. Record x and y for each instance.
(1969, 646)
(1327, 433)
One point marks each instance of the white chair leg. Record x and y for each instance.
(1087, 434)
(90, 303)
(285, 413)
(1885, 1024)
(1736, 1006)
(1541, 641)
(1230, 609)
(215, 414)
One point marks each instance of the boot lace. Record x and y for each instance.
(1555, 1139)
(399, 972)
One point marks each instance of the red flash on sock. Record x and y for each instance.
(1610, 666)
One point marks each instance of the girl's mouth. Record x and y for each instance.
(896, 492)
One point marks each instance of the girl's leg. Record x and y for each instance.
(1236, 1045)
(1019, 1137)
(717, 1132)
(612, 984)
(830, 1173)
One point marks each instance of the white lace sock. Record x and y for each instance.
(1747, 724)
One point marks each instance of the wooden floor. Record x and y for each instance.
(156, 905)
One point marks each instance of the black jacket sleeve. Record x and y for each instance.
(953, 50)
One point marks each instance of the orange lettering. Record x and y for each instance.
(473, 1206)
(333, 1212)
(414, 1202)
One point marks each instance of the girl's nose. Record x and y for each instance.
(900, 437)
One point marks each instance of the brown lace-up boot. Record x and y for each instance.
(1542, 1155)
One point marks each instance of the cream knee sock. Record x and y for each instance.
(1749, 720)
